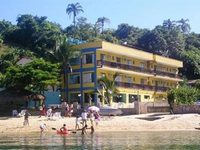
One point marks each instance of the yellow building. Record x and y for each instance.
(144, 76)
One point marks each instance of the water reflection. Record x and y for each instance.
(98, 141)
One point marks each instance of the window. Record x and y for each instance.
(103, 57)
(75, 61)
(118, 78)
(129, 79)
(113, 58)
(74, 79)
(143, 81)
(74, 97)
(133, 98)
(119, 98)
(88, 58)
(142, 65)
(146, 97)
(129, 62)
(88, 77)
(108, 57)
(118, 59)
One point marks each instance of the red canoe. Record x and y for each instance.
(62, 132)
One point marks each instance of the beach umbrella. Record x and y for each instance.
(93, 108)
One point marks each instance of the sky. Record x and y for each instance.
(139, 13)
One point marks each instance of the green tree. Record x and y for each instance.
(123, 31)
(183, 95)
(109, 85)
(42, 74)
(101, 21)
(6, 28)
(192, 40)
(36, 76)
(35, 33)
(191, 59)
(163, 41)
(12, 56)
(183, 25)
(129, 35)
(108, 36)
(1, 41)
(168, 24)
(65, 55)
(74, 9)
(83, 31)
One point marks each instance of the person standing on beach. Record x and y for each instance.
(84, 117)
(77, 122)
(97, 118)
(49, 112)
(26, 116)
(91, 117)
(83, 130)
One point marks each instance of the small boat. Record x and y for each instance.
(62, 132)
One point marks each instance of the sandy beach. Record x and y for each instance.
(162, 122)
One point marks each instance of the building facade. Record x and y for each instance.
(144, 76)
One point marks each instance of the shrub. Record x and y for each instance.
(183, 95)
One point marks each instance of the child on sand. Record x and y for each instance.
(43, 126)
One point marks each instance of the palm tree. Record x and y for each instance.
(102, 21)
(74, 9)
(184, 26)
(109, 86)
(169, 24)
(64, 54)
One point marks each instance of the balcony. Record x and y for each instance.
(172, 75)
(123, 66)
(141, 87)
(102, 63)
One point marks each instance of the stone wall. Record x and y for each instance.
(182, 109)
(128, 111)
(151, 109)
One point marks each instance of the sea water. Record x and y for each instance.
(173, 140)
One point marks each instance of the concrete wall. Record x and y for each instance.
(143, 108)
(52, 97)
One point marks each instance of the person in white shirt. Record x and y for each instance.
(78, 119)
(84, 117)
(49, 113)
(43, 126)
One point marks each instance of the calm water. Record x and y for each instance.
(109, 141)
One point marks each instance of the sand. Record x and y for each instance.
(164, 122)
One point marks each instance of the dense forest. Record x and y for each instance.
(50, 45)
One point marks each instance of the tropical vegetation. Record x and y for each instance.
(109, 86)
(48, 43)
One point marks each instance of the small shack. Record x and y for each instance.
(14, 98)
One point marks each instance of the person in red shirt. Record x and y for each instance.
(63, 129)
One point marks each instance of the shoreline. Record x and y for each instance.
(132, 123)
